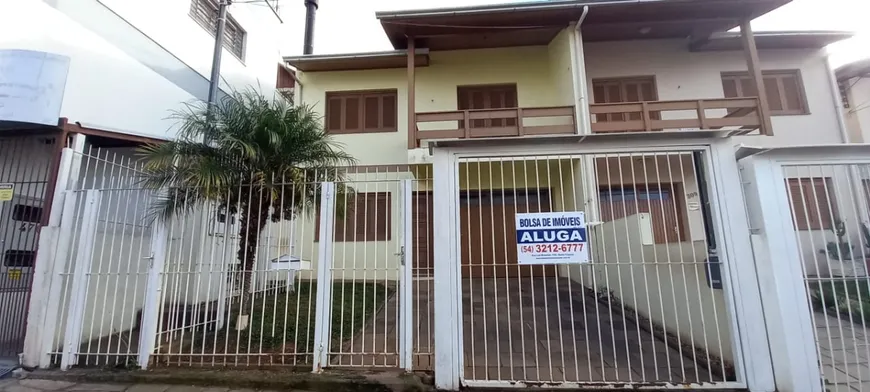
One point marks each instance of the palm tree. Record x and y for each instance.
(250, 156)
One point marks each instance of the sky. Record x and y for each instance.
(347, 26)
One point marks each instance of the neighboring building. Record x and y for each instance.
(854, 81)
(103, 76)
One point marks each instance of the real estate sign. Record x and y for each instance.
(552, 238)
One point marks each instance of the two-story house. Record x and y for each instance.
(650, 307)
(104, 75)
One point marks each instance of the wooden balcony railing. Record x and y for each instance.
(480, 123)
(740, 114)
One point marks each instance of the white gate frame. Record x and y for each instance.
(776, 249)
(80, 278)
(323, 312)
(750, 347)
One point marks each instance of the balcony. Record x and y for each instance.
(483, 123)
(740, 115)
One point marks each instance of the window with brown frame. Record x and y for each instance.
(361, 111)
(487, 96)
(205, 13)
(784, 89)
(619, 90)
(368, 218)
(812, 203)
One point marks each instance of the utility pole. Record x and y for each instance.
(214, 82)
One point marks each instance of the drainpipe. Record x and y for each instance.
(584, 121)
(838, 103)
(578, 60)
(855, 182)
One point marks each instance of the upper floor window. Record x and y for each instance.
(488, 96)
(784, 89)
(205, 12)
(361, 111)
(629, 89)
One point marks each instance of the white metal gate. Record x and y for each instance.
(653, 308)
(810, 210)
(330, 283)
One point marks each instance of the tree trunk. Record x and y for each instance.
(254, 217)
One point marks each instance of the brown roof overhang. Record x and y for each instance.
(357, 61)
(536, 23)
(768, 40)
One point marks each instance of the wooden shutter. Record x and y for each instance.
(502, 96)
(784, 89)
(619, 90)
(205, 13)
(361, 111)
(368, 218)
(812, 202)
(661, 203)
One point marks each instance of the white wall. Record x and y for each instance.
(133, 62)
(681, 74)
(664, 282)
(193, 45)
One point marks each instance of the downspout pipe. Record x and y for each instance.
(854, 177)
(580, 86)
(838, 103)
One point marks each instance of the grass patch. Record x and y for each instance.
(846, 297)
(283, 322)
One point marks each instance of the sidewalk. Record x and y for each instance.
(35, 385)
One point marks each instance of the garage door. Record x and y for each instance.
(490, 216)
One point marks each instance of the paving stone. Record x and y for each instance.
(149, 388)
(45, 385)
(98, 387)
(215, 389)
(186, 388)
(7, 382)
(19, 388)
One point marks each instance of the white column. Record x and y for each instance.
(50, 259)
(751, 352)
(153, 290)
(786, 307)
(448, 290)
(80, 279)
(406, 310)
(322, 314)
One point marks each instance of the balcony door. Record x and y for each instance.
(620, 90)
(489, 96)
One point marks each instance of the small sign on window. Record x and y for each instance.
(6, 191)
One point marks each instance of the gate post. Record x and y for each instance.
(406, 302)
(323, 310)
(751, 346)
(80, 280)
(448, 305)
(153, 288)
(792, 341)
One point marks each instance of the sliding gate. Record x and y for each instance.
(649, 306)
